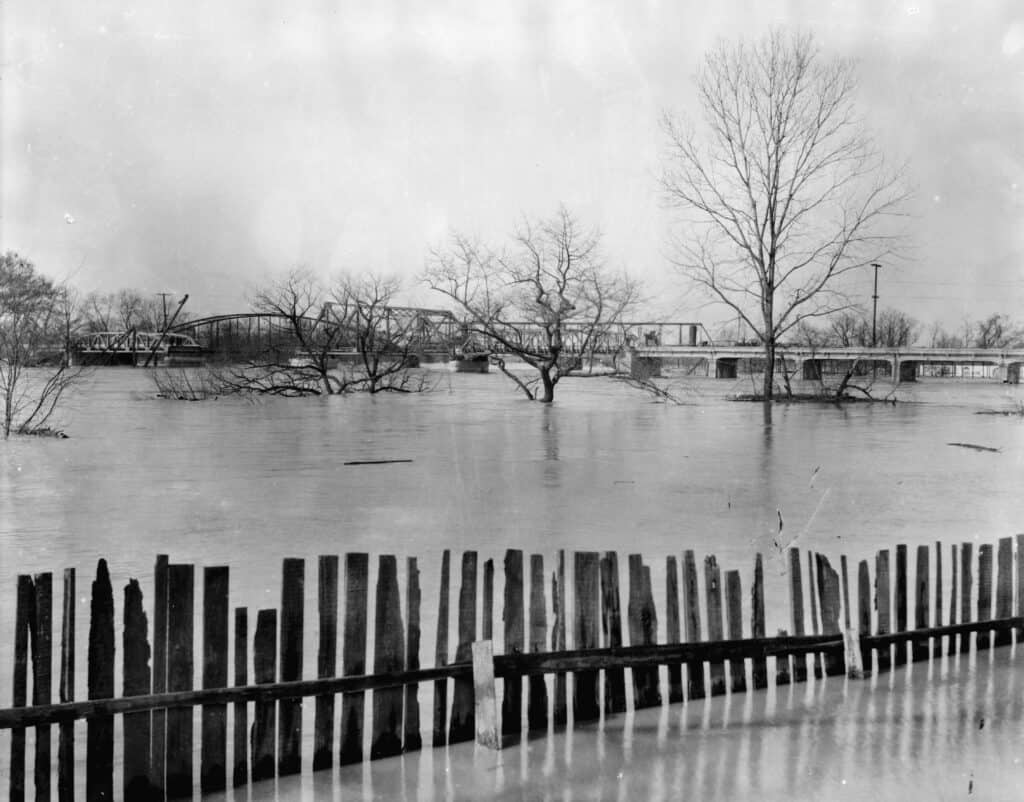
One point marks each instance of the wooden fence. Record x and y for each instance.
(711, 647)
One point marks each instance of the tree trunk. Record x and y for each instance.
(768, 386)
(548, 383)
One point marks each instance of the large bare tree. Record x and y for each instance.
(547, 298)
(781, 190)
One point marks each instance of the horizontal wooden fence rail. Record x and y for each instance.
(505, 667)
(574, 620)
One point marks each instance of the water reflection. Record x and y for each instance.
(548, 422)
(936, 729)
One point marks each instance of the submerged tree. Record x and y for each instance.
(784, 193)
(34, 370)
(547, 299)
(326, 340)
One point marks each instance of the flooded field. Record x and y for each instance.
(247, 484)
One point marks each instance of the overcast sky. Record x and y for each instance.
(201, 147)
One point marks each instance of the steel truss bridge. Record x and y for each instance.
(430, 331)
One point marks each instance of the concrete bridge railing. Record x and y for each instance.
(901, 364)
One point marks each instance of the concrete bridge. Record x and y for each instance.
(903, 364)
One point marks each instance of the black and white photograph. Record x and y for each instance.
(562, 400)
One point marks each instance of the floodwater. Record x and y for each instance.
(247, 484)
(952, 730)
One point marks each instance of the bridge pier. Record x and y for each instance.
(811, 370)
(906, 371)
(1013, 373)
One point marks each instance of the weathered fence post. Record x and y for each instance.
(515, 636)
(846, 591)
(984, 638)
(757, 627)
(388, 658)
(672, 631)
(951, 645)
(487, 617)
(814, 590)
(485, 703)
(353, 658)
(41, 635)
(691, 618)
(919, 646)
(611, 625)
(240, 776)
(462, 727)
(883, 604)
(852, 655)
(734, 608)
(264, 728)
(23, 612)
(180, 663)
(289, 724)
(214, 760)
(560, 710)
(99, 773)
(326, 659)
(864, 613)
(158, 753)
(66, 745)
(136, 682)
(900, 657)
(643, 623)
(1004, 589)
(713, 584)
(796, 603)
(441, 655)
(1020, 584)
(966, 580)
(537, 708)
(412, 739)
(586, 702)
(937, 644)
(828, 590)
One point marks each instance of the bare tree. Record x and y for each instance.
(938, 337)
(327, 342)
(785, 194)
(124, 310)
(846, 329)
(384, 337)
(34, 373)
(997, 331)
(894, 329)
(546, 299)
(302, 364)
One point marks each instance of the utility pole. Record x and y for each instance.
(874, 307)
(163, 297)
(874, 323)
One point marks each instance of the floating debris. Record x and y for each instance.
(375, 461)
(974, 447)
